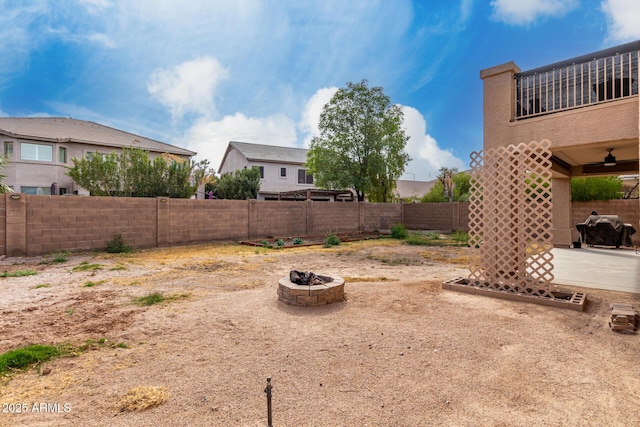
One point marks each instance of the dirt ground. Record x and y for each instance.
(400, 351)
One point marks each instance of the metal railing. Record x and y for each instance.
(576, 85)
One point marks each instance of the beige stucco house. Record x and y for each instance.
(281, 168)
(40, 149)
(587, 107)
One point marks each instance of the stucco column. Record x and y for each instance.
(163, 222)
(561, 211)
(16, 243)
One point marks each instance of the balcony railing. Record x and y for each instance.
(576, 85)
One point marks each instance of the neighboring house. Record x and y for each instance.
(283, 173)
(281, 168)
(40, 149)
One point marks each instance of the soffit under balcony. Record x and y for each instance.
(588, 160)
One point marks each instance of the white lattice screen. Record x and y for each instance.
(510, 218)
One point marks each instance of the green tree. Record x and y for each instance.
(361, 143)
(435, 194)
(461, 186)
(97, 174)
(596, 188)
(132, 174)
(4, 188)
(459, 182)
(242, 184)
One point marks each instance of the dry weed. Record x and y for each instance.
(143, 397)
(349, 279)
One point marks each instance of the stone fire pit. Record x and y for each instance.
(322, 290)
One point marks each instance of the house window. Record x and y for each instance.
(261, 172)
(283, 172)
(90, 155)
(8, 149)
(39, 152)
(304, 177)
(36, 190)
(62, 154)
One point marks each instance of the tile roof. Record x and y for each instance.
(63, 129)
(271, 153)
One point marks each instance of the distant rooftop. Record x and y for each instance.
(63, 129)
(271, 153)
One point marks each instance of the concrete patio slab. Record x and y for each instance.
(598, 268)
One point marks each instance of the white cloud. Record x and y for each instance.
(66, 35)
(95, 7)
(465, 10)
(210, 138)
(623, 19)
(188, 87)
(427, 156)
(525, 12)
(311, 114)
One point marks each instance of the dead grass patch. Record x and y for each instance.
(457, 256)
(142, 397)
(349, 279)
(32, 385)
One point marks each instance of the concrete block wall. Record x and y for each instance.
(381, 216)
(436, 216)
(204, 220)
(333, 216)
(33, 225)
(3, 225)
(277, 219)
(627, 210)
(73, 223)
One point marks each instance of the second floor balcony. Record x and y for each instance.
(595, 78)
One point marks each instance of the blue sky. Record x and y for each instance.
(200, 73)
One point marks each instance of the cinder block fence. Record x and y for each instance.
(34, 225)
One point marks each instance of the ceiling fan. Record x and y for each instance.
(608, 162)
(610, 159)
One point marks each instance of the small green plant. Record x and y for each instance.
(19, 273)
(428, 239)
(117, 245)
(41, 285)
(151, 299)
(460, 236)
(22, 358)
(279, 243)
(92, 284)
(399, 231)
(266, 244)
(118, 267)
(85, 266)
(297, 241)
(331, 240)
(60, 257)
(70, 312)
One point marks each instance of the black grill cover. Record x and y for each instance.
(605, 230)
